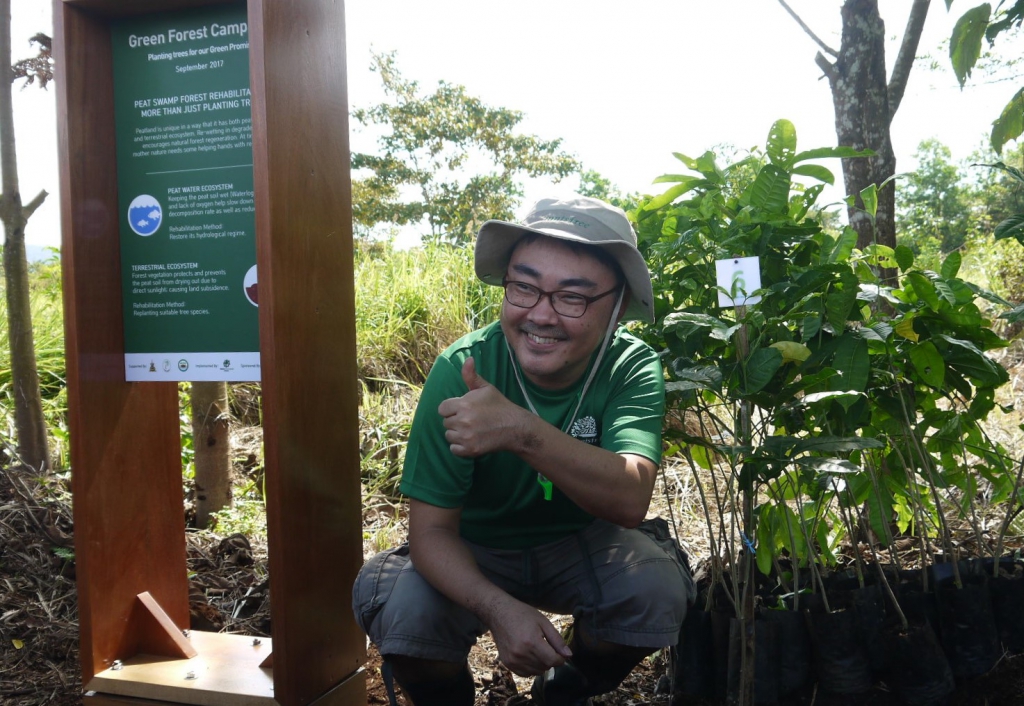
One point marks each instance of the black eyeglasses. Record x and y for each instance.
(571, 304)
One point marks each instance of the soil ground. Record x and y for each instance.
(229, 591)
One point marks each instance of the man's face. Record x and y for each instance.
(553, 350)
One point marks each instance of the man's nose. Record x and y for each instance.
(544, 310)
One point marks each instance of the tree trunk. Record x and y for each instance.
(210, 436)
(28, 407)
(860, 97)
(865, 103)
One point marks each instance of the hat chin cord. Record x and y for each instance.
(612, 320)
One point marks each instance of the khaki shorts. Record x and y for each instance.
(629, 587)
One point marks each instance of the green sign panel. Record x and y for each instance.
(185, 189)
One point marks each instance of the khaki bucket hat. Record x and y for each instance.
(583, 220)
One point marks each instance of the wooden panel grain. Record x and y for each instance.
(125, 445)
(307, 340)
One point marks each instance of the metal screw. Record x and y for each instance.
(117, 666)
(256, 642)
(190, 675)
(186, 633)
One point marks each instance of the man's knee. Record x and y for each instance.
(404, 615)
(642, 599)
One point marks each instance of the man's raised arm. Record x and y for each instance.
(615, 487)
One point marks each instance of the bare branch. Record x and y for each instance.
(28, 209)
(826, 48)
(827, 66)
(908, 51)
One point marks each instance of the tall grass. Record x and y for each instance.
(410, 304)
(48, 332)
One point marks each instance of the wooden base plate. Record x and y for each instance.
(225, 672)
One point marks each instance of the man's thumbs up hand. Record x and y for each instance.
(470, 377)
(482, 420)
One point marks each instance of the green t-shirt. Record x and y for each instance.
(502, 502)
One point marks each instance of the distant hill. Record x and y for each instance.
(35, 253)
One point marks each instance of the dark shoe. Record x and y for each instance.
(560, 686)
(456, 691)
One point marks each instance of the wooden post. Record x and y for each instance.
(125, 445)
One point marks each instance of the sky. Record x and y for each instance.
(624, 85)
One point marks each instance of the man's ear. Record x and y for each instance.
(625, 304)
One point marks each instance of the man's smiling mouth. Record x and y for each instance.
(542, 340)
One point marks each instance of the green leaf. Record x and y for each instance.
(928, 363)
(688, 161)
(789, 527)
(965, 42)
(792, 352)
(904, 508)
(882, 329)
(836, 444)
(1012, 171)
(803, 204)
(843, 397)
(840, 302)
(830, 466)
(760, 368)
(770, 190)
(844, 246)
(825, 546)
(880, 512)
(951, 265)
(1014, 315)
(905, 327)
(853, 363)
(831, 153)
(681, 178)
(724, 334)
(941, 288)
(1010, 123)
(812, 324)
(781, 145)
(924, 290)
(702, 457)
(669, 196)
(982, 404)
(965, 357)
(904, 257)
(698, 377)
(1012, 227)
(816, 172)
(684, 323)
(987, 295)
(705, 164)
(881, 255)
(869, 197)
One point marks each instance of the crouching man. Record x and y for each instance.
(529, 470)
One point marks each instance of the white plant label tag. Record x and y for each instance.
(737, 277)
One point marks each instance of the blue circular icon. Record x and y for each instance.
(182, 365)
(145, 214)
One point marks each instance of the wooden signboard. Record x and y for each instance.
(129, 519)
